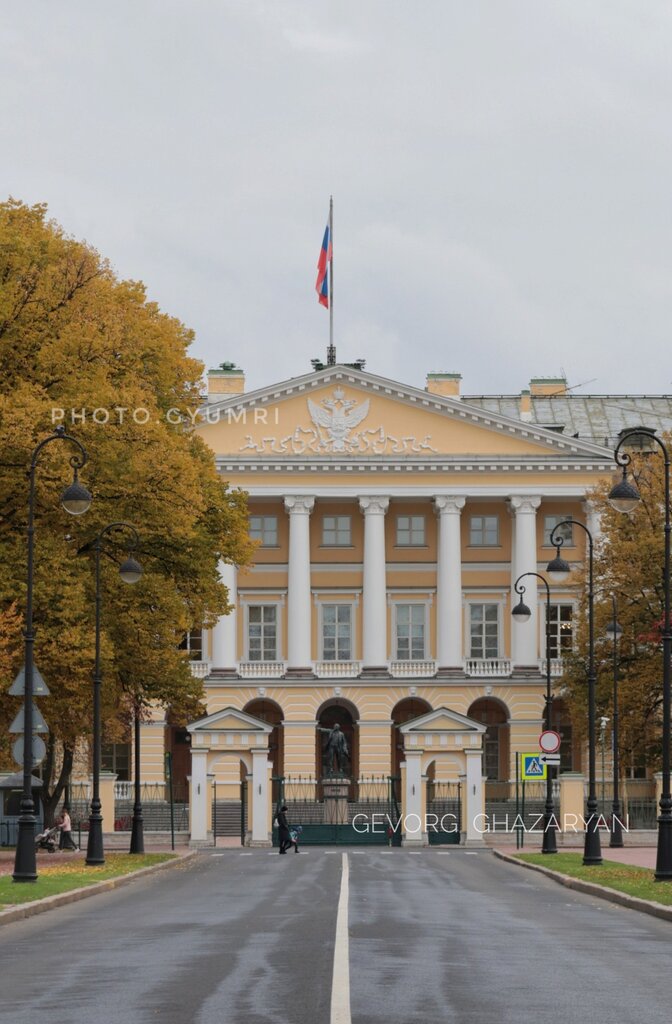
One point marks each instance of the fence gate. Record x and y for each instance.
(444, 813)
(335, 810)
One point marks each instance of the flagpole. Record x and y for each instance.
(331, 355)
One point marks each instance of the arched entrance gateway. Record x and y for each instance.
(403, 711)
(268, 711)
(496, 743)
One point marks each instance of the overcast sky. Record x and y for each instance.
(501, 172)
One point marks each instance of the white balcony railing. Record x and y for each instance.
(261, 669)
(412, 669)
(200, 669)
(487, 668)
(557, 667)
(123, 791)
(337, 669)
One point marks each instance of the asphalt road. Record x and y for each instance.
(250, 938)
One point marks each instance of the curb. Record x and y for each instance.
(593, 889)
(25, 910)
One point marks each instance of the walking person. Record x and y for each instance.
(283, 829)
(65, 825)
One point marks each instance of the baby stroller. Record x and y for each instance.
(47, 840)
(294, 834)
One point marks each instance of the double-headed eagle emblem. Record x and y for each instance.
(337, 416)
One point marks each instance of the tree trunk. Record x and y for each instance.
(51, 796)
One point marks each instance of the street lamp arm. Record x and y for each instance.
(133, 543)
(76, 461)
(557, 541)
(624, 459)
(521, 589)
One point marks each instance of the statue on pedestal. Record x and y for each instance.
(335, 753)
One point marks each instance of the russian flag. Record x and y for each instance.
(322, 283)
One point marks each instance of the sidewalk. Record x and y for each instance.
(45, 860)
(638, 856)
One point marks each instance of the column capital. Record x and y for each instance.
(525, 502)
(449, 503)
(374, 505)
(299, 503)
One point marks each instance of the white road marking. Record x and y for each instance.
(443, 853)
(240, 855)
(470, 853)
(414, 853)
(221, 855)
(340, 984)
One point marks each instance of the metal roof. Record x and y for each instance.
(596, 418)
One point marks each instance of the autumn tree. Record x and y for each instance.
(629, 559)
(75, 339)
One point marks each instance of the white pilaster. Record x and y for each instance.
(414, 824)
(224, 653)
(298, 584)
(374, 601)
(260, 798)
(474, 806)
(449, 582)
(524, 636)
(199, 795)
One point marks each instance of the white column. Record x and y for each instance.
(449, 582)
(414, 824)
(260, 798)
(298, 584)
(593, 521)
(199, 796)
(224, 633)
(374, 601)
(524, 635)
(473, 799)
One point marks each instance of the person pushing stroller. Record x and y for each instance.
(286, 836)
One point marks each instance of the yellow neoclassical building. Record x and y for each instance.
(392, 523)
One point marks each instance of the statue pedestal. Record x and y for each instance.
(336, 791)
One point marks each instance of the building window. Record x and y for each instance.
(262, 632)
(116, 757)
(336, 531)
(265, 529)
(561, 631)
(564, 533)
(483, 631)
(410, 531)
(410, 632)
(336, 632)
(484, 531)
(193, 643)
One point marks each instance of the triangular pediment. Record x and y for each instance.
(353, 414)
(442, 720)
(230, 720)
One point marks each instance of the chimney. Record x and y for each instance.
(225, 381)
(548, 386)
(446, 384)
(525, 405)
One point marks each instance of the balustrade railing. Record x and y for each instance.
(488, 667)
(337, 669)
(261, 669)
(412, 669)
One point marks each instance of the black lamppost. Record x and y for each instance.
(130, 572)
(624, 497)
(522, 613)
(614, 632)
(137, 828)
(558, 569)
(75, 500)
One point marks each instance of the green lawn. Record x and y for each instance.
(622, 877)
(73, 874)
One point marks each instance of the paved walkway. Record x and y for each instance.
(334, 936)
(639, 856)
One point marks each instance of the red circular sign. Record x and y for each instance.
(550, 741)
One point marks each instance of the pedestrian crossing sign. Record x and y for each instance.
(532, 767)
